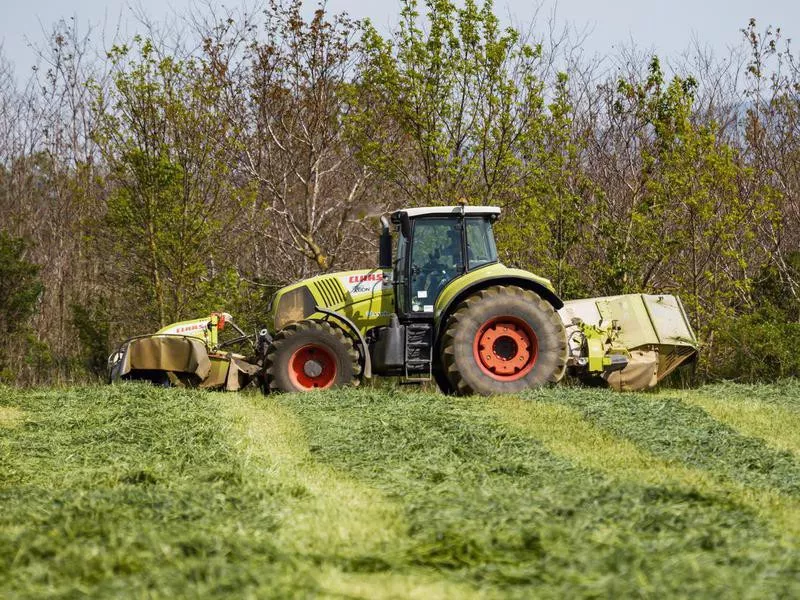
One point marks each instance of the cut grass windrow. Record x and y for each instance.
(779, 427)
(678, 432)
(345, 534)
(772, 418)
(565, 431)
(275, 452)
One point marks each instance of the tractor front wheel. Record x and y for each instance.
(504, 339)
(310, 355)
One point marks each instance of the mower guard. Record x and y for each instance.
(649, 336)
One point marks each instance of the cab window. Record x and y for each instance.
(480, 242)
(398, 274)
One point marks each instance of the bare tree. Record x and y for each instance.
(314, 199)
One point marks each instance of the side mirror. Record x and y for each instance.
(405, 225)
(385, 246)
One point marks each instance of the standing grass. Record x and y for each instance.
(133, 491)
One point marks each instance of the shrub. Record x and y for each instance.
(756, 347)
(20, 287)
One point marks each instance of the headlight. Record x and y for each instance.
(294, 306)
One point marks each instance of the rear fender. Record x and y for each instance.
(355, 333)
(450, 304)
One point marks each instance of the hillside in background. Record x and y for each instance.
(131, 490)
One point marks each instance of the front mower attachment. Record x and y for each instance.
(630, 342)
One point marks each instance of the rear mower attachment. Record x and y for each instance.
(190, 353)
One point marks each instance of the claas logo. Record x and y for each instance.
(367, 277)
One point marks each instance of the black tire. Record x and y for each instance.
(336, 350)
(442, 382)
(535, 316)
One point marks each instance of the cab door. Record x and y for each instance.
(436, 257)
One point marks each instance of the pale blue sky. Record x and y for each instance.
(663, 26)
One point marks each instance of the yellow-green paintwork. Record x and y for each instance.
(374, 306)
(370, 308)
(198, 328)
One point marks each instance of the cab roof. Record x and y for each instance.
(429, 211)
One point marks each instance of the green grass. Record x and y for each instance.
(132, 491)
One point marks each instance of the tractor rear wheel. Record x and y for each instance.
(310, 355)
(503, 339)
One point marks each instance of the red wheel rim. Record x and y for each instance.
(505, 348)
(312, 367)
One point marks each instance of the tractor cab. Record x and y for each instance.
(439, 250)
(436, 245)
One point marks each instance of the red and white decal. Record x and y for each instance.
(187, 328)
(364, 283)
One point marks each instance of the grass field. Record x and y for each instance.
(134, 491)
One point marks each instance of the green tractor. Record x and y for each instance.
(443, 308)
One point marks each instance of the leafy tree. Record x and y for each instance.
(685, 227)
(94, 331)
(548, 225)
(449, 104)
(20, 290)
(314, 198)
(756, 347)
(20, 287)
(773, 287)
(169, 154)
(771, 146)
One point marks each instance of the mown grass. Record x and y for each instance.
(564, 430)
(675, 430)
(494, 502)
(140, 492)
(132, 491)
(770, 413)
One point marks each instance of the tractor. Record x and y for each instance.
(445, 308)
(442, 307)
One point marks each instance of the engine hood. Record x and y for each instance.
(365, 296)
